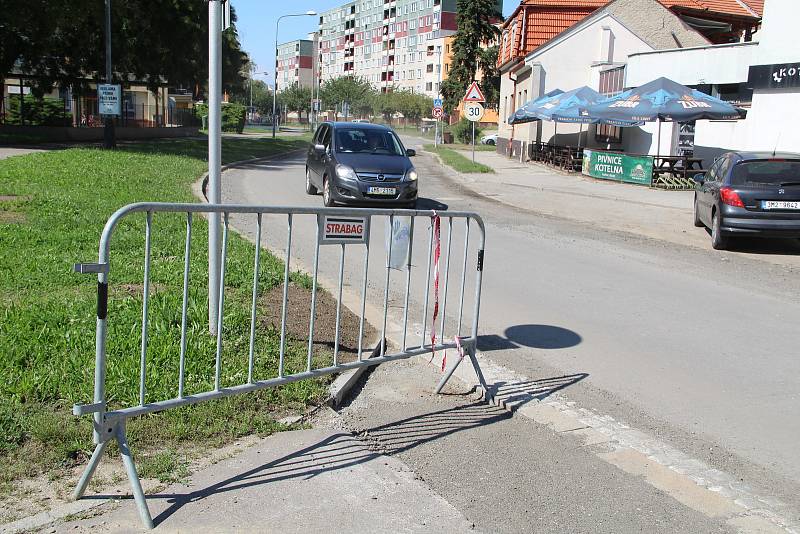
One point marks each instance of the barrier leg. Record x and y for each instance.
(136, 485)
(97, 455)
(447, 374)
(470, 350)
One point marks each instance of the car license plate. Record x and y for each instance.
(381, 191)
(779, 205)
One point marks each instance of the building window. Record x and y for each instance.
(612, 82)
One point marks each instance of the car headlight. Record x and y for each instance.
(411, 175)
(346, 173)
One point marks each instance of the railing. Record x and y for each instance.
(345, 230)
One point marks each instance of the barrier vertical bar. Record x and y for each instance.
(310, 354)
(256, 267)
(463, 277)
(145, 306)
(408, 279)
(363, 301)
(218, 366)
(446, 275)
(427, 285)
(285, 296)
(386, 287)
(338, 309)
(185, 304)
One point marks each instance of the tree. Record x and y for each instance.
(490, 75)
(296, 98)
(386, 105)
(153, 41)
(356, 91)
(413, 106)
(475, 27)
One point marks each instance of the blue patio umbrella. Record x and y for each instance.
(569, 107)
(526, 114)
(661, 100)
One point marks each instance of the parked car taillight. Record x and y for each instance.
(730, 197)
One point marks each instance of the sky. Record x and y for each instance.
(257, 18)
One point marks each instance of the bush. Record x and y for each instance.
(463, 131)
(37, 111)
(233, 116)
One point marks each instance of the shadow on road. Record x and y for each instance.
(513, 395)
(430, 204)
(537, 336)
(755, 245)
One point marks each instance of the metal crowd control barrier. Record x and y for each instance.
(347, 228)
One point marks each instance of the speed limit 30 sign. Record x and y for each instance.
(473, 111)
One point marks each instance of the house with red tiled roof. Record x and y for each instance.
(534, 22)
(549, 44)
(762, 76)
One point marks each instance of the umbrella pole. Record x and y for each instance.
(658, 147)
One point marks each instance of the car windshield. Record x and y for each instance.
(766, 172)
(367, 140)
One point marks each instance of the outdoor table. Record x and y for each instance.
(672, 165)
(676, 172)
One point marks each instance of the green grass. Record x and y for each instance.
(478, 147)
(456, 161)
(47, 313)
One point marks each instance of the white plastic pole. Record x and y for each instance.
(214, 155)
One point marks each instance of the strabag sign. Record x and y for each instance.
(342, 229)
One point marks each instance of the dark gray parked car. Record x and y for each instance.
(360, 164)
(749, 194)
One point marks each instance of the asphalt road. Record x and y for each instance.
(698, 348)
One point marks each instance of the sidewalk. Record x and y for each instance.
(7, 152)
(655, 213)
(302, 481)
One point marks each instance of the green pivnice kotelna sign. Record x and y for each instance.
(619, 167)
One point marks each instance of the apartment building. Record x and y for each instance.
(295, 62)
(391, 43)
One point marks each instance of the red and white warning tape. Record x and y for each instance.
(436, 222)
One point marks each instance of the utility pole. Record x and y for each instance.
(109, 136)
(214, 156)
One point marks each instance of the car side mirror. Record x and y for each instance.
(319, 149)
(699, 178)
(411, 152)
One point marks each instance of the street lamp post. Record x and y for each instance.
(253, 73)
(275, 85)
(438, 95)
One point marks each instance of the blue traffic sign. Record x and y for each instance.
(437, 102)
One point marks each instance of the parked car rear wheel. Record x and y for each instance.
(718, 241)
(697, 222)
(310, 189)
(490, 142)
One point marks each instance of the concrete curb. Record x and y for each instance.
(345, 381)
